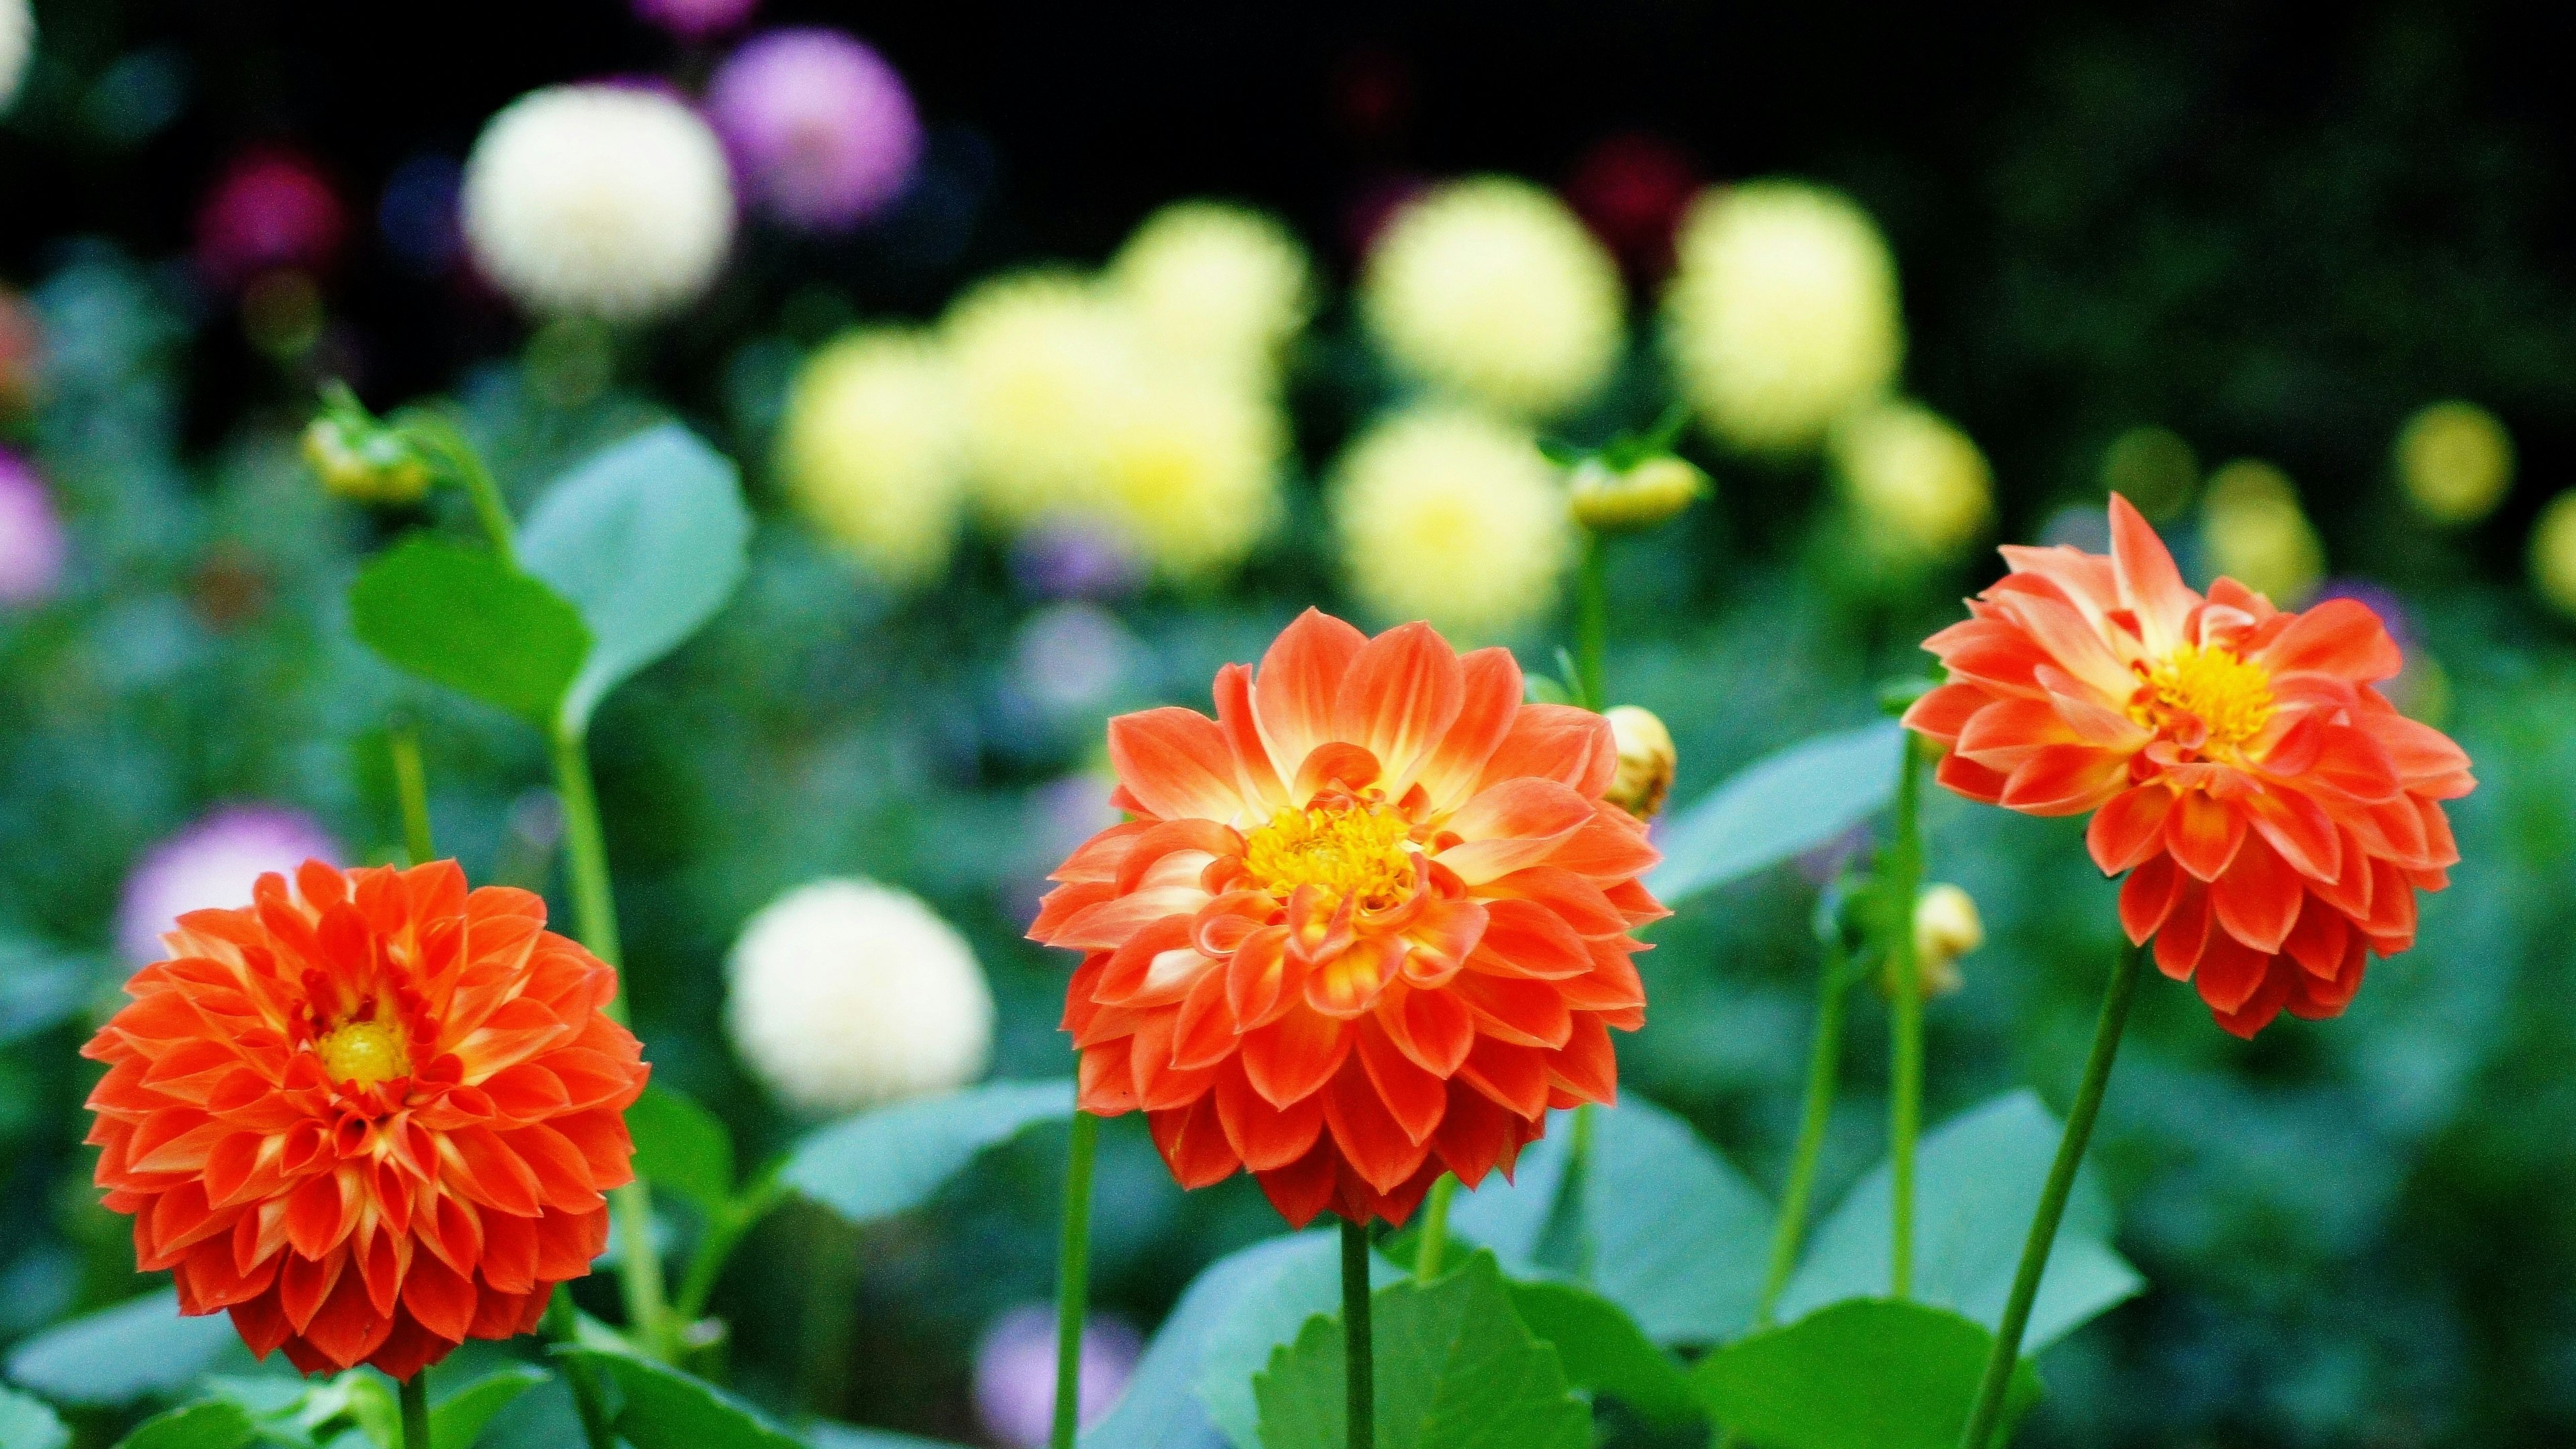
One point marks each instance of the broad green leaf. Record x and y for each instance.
(825, 1434)
(647, 538)
(459, 616)
(457, 1419)
(1977, 1180)
(680, 1145)
(1454, 1367)
(118, 1355)
(664, 1408)
(1865, 1373)
(39, 987)
(29, 1423)
(1604, 1351)
(880, 1163)
(214, 1424)
(1780, 806)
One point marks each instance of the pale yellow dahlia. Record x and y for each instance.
(872, 448)
(1449, 515)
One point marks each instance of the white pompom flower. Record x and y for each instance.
(608, 201)
(846, 994)
(1491, 288)
(17, 46)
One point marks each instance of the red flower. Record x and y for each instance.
(2275, 813)
(1368, 924)
(372, 1115)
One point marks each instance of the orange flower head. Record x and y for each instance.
(371, 1114)
(1365, 926)
(2275, 813)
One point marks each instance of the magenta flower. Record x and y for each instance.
(213, 863)
(270, 210)
(31, 537)
(695, 19)
(821, 129)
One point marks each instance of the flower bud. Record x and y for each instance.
(1639, 496)
(360, 458)
(1946, 927)
(1646, 759)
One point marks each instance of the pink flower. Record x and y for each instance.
(31, 537)
(270, 210)
(695, 19)
(212, 863)
(821, 129)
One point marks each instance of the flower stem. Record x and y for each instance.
(1360, 1364)
(415, 1409)
(2052, 1199)
(1073, 1278)
(1824, 1059)
(1592, 622)
(561, 1326)
(466, 466)
(1435, 1229)
(1903, 880)
(411, 788)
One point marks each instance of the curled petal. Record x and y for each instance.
(2129, 828)
(2204, 835)
(1176, 764)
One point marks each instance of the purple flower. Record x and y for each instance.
(1015, 1373)
(31, 537)
(1073, 560)
(821, 129)
(694, 19)
(213, 863)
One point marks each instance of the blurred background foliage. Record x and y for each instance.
(2273, 233)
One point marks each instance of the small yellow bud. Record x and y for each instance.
(1946, 927)
(1646, 760)
(2456, 462)
(1622, 500)
(360, 459)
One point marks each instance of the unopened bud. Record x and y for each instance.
(358, 457)
(1646, 760)
(1946, 927)
(1641, 495)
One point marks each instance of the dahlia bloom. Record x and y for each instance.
(820, 127)
(371, 1114)
(1368, 924)
(2275, 813)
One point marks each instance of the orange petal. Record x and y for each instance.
(1305, 1187)
(2150, 586)
(1530, 1013)
(1433, 1028)
(1255, 776)
(1414, 1096)
(1558, 742)
(1401, 696)
(1263, 980)
(1267, 1138)
(2257, 900)
(2064, 780)
(2147, 897)
(2341, 637)
(1512, 1076)
(1192, 1141)
(1176, 764)
(2129, 828)
(1489, 697)
(2299, 828)
(1291, 1058)
(1348, 984)
(1511, 825)
(2185, 932)
(1203, 1031)
(1294, 690)
(1523, 938)
(2204, 835)
(1587, 1066)
(1370, 1138)
(1943, 712)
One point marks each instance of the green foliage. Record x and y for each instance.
(662, 1408)
(460, 616)
(824, 1434)
(457, 1418)
(213, 1424)
(1454, 1367)
(646, 538)
(1604, 1351)
(139, 1348)
(883, 1162)
(680, 1147)
(1779, 807)
(1860, 1374)
(28, 1423)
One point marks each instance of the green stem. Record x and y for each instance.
(411, 788)
(465, 465)
(1592, 621)
(716, 1245)
(1824, 1060)
(561, 1326)
(1073, 1278)
(415, 1409)
(2052, 1200)
(1903, 882)
(1435, 1229)
(1359, 1371)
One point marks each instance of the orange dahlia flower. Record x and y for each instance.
(372, 1114)
(1368, 924)
(2275, 813)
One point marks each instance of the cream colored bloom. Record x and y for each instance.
(873, 450)
(2253, 531)
(1782, 314)
(1491, 288)
(604, 200)
(2455, 461)
(1046, 363)
(1647, 760)
(1190, 470)
(846, 994)
(1216, 286)
(1946, 927)
(1450, 515)
(1918, 486)
(2553, 553)
(17, 47)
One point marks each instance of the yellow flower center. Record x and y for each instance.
(1356, 852)
(363, 1053)
(2230, 695)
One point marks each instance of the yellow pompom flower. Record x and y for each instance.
(2455, 461)
(1450, 515)
(2553, 553)
(1492, 289)
(1215, 285)
(1190, 471)
(1043, 362)
(1782, 314)
(2253, 531)
(1918, 486)
(873, 451)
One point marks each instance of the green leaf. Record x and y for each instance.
(825, 1434)
(117, 1355)
(1780, 806)
(1865, 1373)
(459, 616)
(1604, 1351)
(1455, 1367)
(681, 1146)
(214, 1424)
(647, 538)
(1977, 1180)
(667, 1409)
(457, 1419)
(883, 1162)
(29, 1423)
